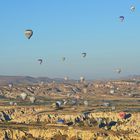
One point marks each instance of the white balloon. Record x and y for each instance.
(11, 103)
(113, 107)
(66, 78)
(86, 103)
(10, 85)
(106, 104)
(15, 104)
(112, 91)
(82, 79)
(23, 96)
(32, 99)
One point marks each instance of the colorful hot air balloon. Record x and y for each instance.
(122, 115)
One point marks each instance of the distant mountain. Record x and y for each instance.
(22, 80)
(32, 80)
(131, 77)
(4, 80)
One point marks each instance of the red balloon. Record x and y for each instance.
(122, 115)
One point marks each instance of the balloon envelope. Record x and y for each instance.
(112, 91)
(86, 103)
(15, 104)
(40, 60)
(132, 8)
(23, 96)
(28, 33)
(106, 104)
(11, 103)
(32, 99)
(58, 104)
(121, 18)
(82, 79)
(10, 85)
(118, 71)
(122, 115)
(66, 78)
(64, 58)
(113, 107)
(84, 54)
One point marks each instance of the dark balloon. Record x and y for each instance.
(84, 54)
(64, 58)
(121, 18)
(40, 60)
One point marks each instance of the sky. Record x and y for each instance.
(67, 28)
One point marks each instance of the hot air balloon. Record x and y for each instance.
(118, 71)
(41, 83)
(32, 99)
(65, 102)
(40, 61)
(121, 18)
(122, 115)
(23, 96)
(112, 91)
(63, 58)
(10, 85)
(58, 104)
(15, 104)
(82, 79)
(99, 120)
(106, 104)
(132, 8)
(60, 121)
(66, 78)
(11, 103)
(84, 54)
(86, 103)
(113, 107)
(28, 33)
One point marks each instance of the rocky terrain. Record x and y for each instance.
(99, 110)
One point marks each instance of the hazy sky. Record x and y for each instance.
(68, 28)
